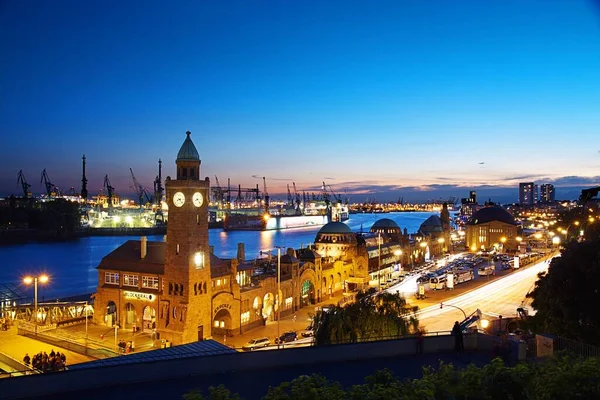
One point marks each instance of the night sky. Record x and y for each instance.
(387, 98)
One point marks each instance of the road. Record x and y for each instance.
(500, 297)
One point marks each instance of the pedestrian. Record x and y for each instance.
(52, 353)
(420, 341)
(458, 337)
(27, 359)
(294, 318)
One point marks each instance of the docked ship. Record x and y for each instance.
(315, 213)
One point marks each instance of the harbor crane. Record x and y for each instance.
(290, 200)
(109, 190)
(51, 189)
(24, 185)
(140, 191)
(218, 192)
(297, 197)
(325, 194)
(158, 187)
(266, 194)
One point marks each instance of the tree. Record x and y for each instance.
(567, 296)
(561, 377)
(373, 316)
(214, 393)
(306, 387)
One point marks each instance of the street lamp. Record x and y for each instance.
(379, 260)
(278, 294)
(28, 280)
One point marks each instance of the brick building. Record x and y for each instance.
(181, 290)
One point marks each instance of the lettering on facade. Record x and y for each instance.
(138, 296)
(224, 306)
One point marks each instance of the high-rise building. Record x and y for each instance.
(536, 193)
(468, 205)
(526, 193)
(547, 194)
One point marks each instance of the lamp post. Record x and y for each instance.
(379, 260)
(28, 280)
(86, 328)
(278, 294)
(441, 242)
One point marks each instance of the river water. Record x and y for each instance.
(72, 265)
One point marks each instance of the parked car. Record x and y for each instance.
(287, 337)
(256, 344)
(308, 332)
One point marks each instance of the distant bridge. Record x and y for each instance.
(50, 313)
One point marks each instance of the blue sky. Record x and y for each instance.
(405, 98)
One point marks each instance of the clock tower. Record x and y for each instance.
(185, 305)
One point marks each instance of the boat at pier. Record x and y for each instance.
(259, 219)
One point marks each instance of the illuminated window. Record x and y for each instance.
(111, 278)
(245, 317)
(218, 282)
(288, 302)
(150, 282)
(130, 280)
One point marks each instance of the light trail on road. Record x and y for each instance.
(500, 297)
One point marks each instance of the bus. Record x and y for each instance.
(463, 275)
(486, 270)
(437, 282)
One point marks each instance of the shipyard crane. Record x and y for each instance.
(336, 196)
(297, 197)
(140, 191)
(290, 200)
(325, 194)
(51, 189)
(217, 192)
(266, 195)
(24, 185)
(109, 190)
(228, 193)
(158, 188)
(84, 191)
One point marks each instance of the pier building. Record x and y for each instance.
(181, 291)
(491, 226)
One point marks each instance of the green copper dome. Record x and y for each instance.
(188, 151)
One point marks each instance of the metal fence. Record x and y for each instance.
(578, 348)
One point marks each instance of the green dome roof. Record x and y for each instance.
(493, 213)
(385, 224)
(335, 227)
(188, 151)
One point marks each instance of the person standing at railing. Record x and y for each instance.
(458, 337)
(27, 359)
(420, 341)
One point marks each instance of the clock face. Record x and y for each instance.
(178, 199)
(198, 199)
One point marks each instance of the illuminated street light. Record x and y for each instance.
(519, 239)
(556, 240)
(28, 280)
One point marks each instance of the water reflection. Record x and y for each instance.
(72, 265)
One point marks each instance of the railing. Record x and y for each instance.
(581, 349)
(26, 326)
(70, 345)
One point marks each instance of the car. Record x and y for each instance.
(287, 337)
(308, 332)
(256, 344)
